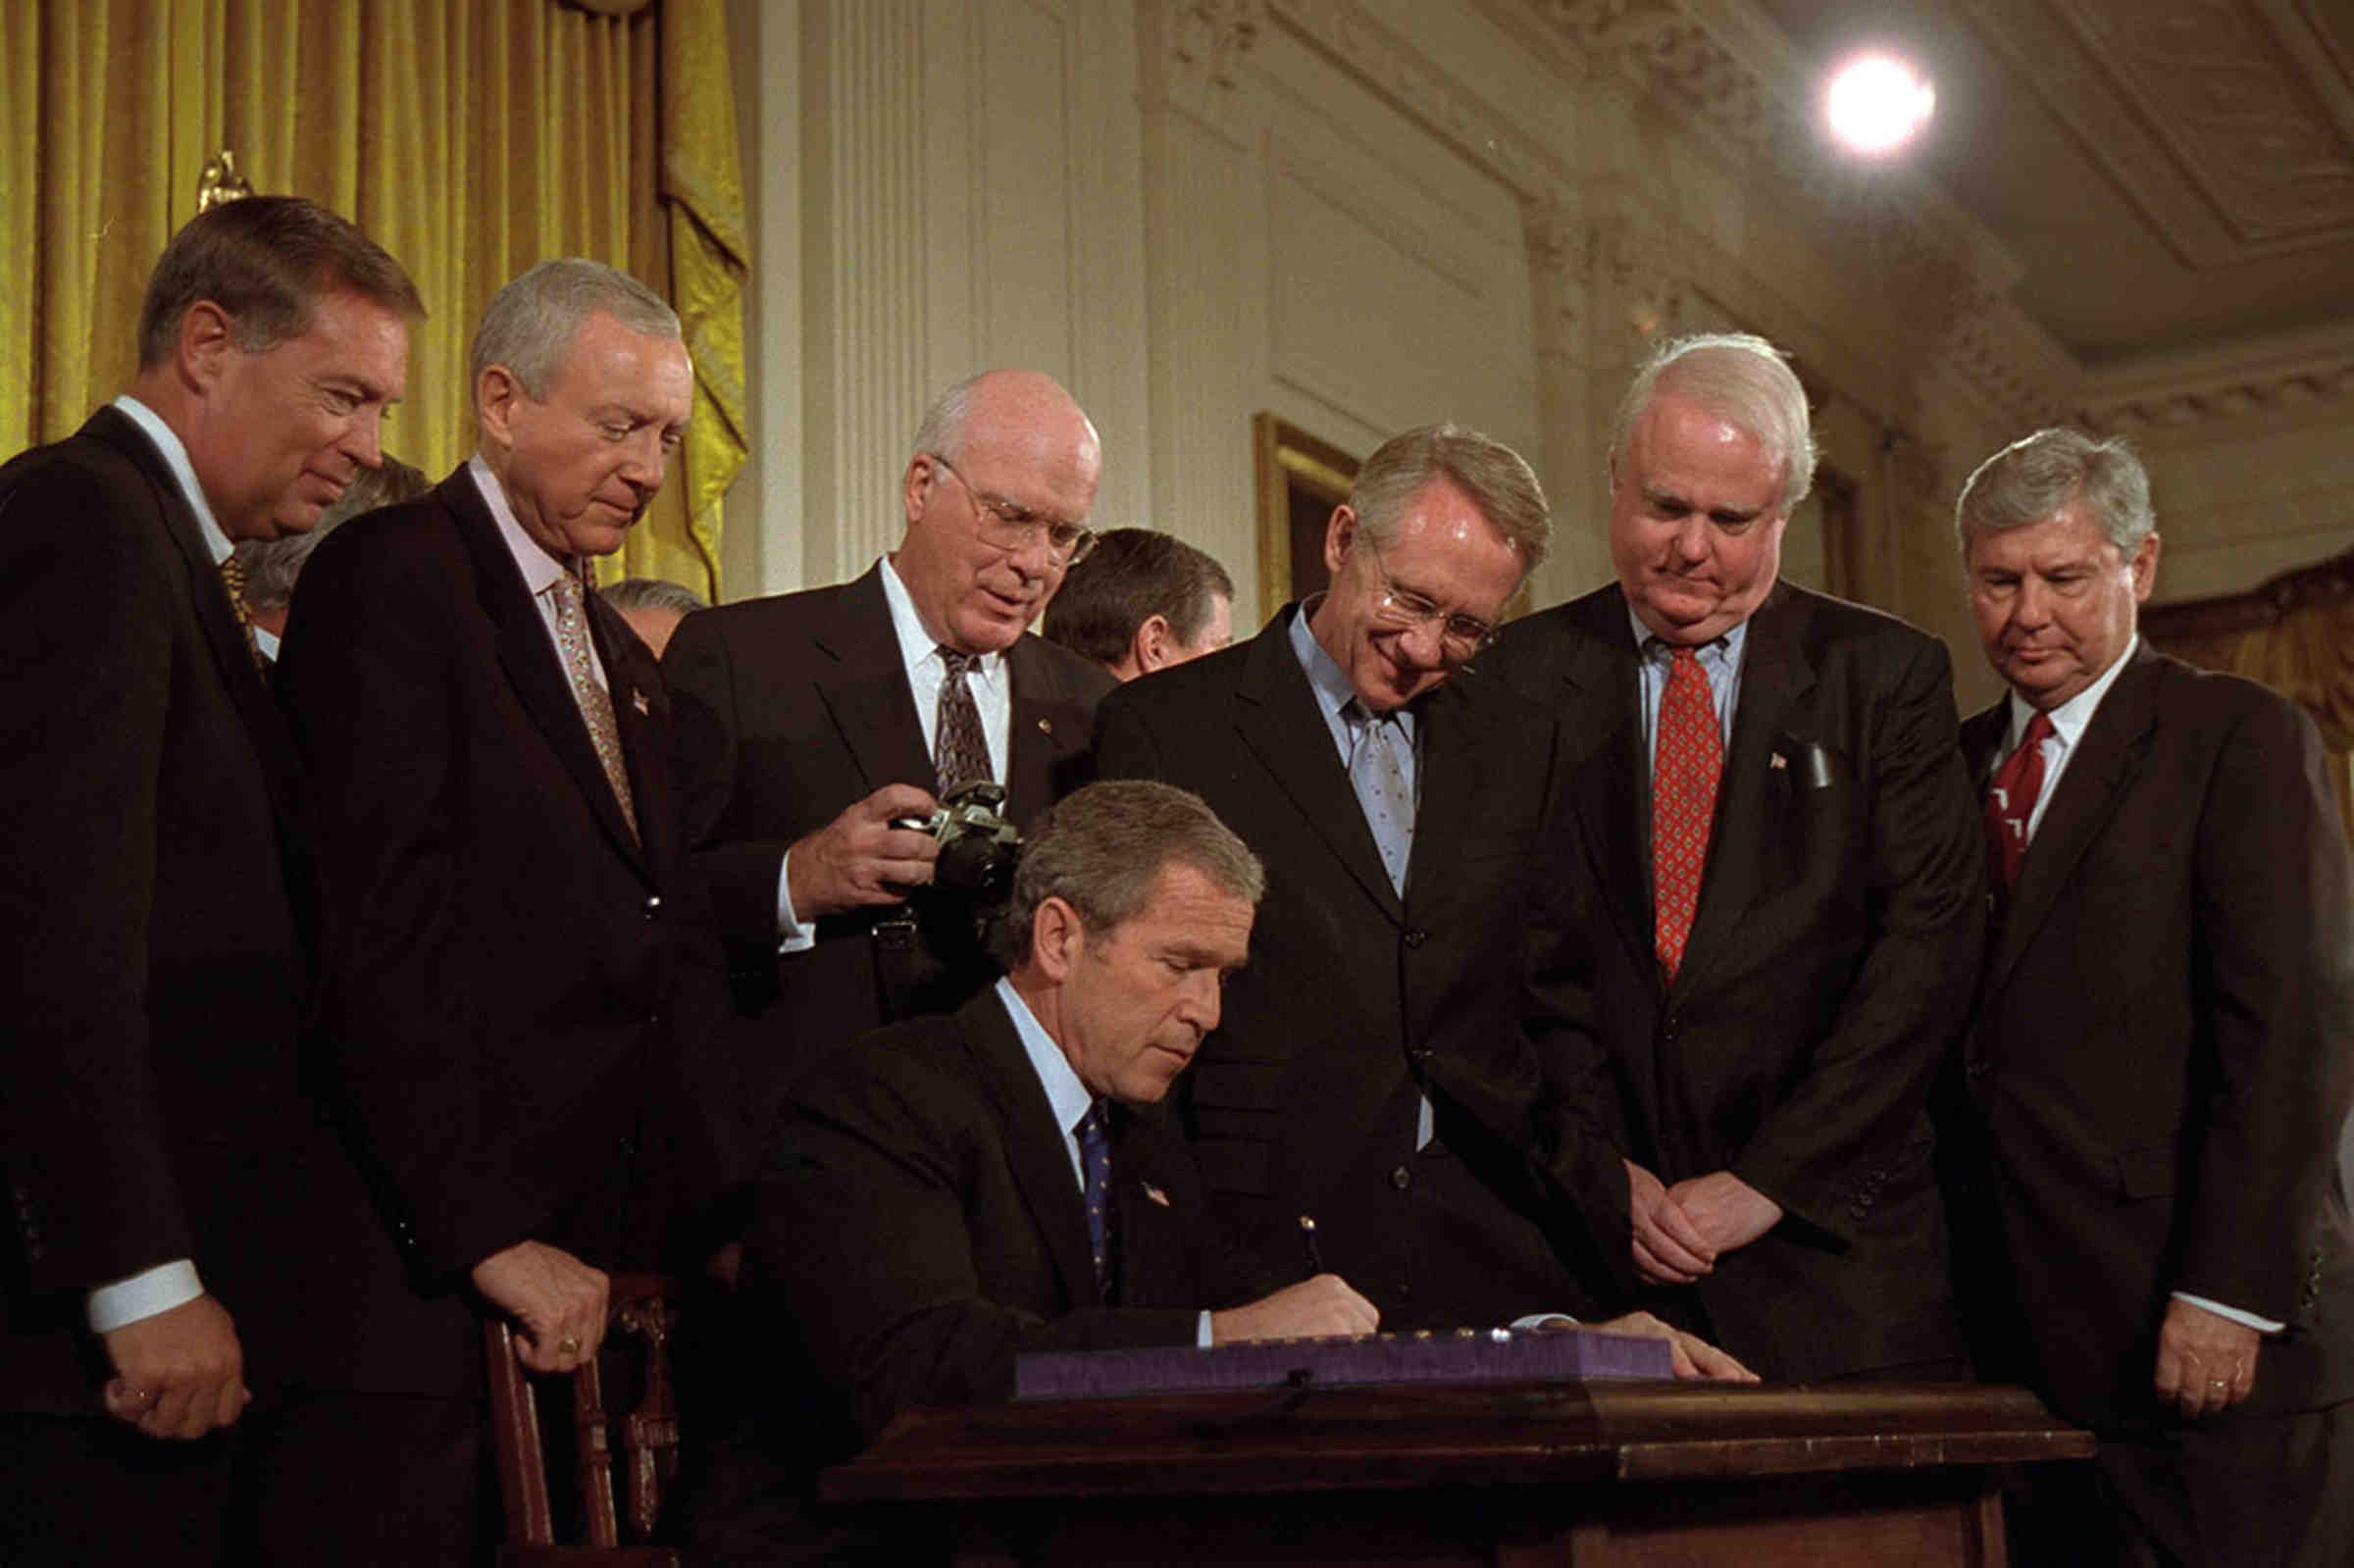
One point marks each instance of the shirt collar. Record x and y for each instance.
(915, 644)
(175, 458)
(540, 569)
(1064, 1091)
(1333, 688)
(2069, 719)
(1723, 653)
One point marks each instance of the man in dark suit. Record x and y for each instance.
(1775, 856)
(968, 1187)
(2163, 1049)
(1142, 601)
(517, 974)
(1385, 1067)
(810, 722)
(165, 1175)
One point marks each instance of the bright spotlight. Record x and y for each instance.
(1876, 103)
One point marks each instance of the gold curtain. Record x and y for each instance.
(2295, 635)
(469, 137)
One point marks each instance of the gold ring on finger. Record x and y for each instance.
(568, 1346)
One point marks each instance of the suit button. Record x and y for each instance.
(1978, 1067)
(1401, 1178)
(629, 1148)
(1416, 936)
(1422, 1053)
(654, 906)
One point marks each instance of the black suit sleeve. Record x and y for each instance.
(2274, 978)
(700, 670)
(1868, 1075)
(883, 1208)
(369, 673)
(84, 701)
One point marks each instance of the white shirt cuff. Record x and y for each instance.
(792, 936)
(2248, 1320)
(144, 1295)
(1201, 1339)
(1544, 1320)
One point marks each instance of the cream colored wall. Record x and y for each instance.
(1362, 215)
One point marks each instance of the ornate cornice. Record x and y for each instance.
(2308, 374)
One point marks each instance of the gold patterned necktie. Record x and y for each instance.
(595, 702)
(1683, 802)
(233, 578)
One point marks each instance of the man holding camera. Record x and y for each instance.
(810, 724)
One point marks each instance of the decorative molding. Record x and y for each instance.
(2301, 375)
(1209, 38)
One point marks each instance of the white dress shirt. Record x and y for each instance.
(989, 681)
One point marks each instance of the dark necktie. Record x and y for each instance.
(1683, 802)
(1094, 1167)
(2011, 802)
(959, 752)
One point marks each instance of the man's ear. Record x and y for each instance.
(496, 391)
(1150, 647)
(923, 471)
(208, 336)
(2145, 567)
(1055, 940)
(1340, 535)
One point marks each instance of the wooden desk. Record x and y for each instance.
(1520, 1474)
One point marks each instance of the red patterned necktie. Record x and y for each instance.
(959, 750)
(1683, 802)
(2011, 802)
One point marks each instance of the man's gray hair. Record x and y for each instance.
(941, 431)
(652, 593)
(1497, 478)
(529, 325)
(1100, 850)
(272, 565)
(1735, 377)
(2034, 478)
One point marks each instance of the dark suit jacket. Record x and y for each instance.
(2165, 1043)
(1827, 973)
(1357, 1001)
(917, 1214)
(153, 921)
(516, 987)
(790, 709)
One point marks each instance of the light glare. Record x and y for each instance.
(1876, 104)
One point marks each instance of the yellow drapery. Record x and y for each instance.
(2295, 635)
(469, 137)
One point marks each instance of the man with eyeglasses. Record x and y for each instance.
(1385, 1068)
(1776, 862)
(808, 723)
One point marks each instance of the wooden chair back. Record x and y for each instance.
(642, 1311)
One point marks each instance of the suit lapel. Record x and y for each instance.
(1753, 796)
(1050, 722)
(529, 657)
(1033, 1146)
(645, 745)
(223, 638)
(1152, 1262)
(2107, 755)
(1610, 786)
(864, 687)
(1277, 718)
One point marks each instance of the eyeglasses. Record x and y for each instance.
(1009, 525)
(1462, 638)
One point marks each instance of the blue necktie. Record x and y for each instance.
(1094, 1167)
(1379, 779)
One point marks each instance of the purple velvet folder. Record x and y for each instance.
(1488, 1355)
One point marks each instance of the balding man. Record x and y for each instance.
(515, 964)
(166, 1178)
(808, 723)
(1777, 858)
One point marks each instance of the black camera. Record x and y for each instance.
(978, 847)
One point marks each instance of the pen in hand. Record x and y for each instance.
(1308, 1236)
